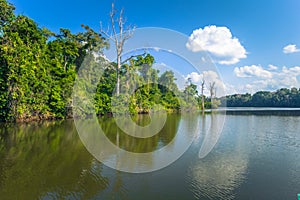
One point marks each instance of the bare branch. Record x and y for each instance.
(202, 86)
(133, 56)
(129, 32)
(117, 24)
(112, 20)
(202, 95)
(212, 89)
(106, 33)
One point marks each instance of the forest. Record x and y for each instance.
(283, 97)
(39, 67)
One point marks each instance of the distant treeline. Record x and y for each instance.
(281, 98)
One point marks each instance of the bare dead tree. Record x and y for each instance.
(212, 89)
(202, 95)
(213, 93)
(118, 34)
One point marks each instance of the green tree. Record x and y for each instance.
(24, 77)
(38, 67)
(7, 13)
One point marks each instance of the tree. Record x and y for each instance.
(118, 38)
(6, 17)
(283, 97)
(169, 90)
(167, 79)
(202, 96)
(24, 79)
(190, 94)
(212, 90)
(67, 52)
(190, 90)
(7, 14)
(38, 67)
(38, 70)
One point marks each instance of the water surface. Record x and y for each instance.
(255, 157)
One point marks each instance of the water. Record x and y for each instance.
(255, 157)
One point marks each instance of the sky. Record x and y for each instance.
(254, 44)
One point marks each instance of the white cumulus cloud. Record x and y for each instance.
(291, 48)
(218, 41)
(271, 78)
(272, 67)
(252, 71)
(209, 77)
(195, 77)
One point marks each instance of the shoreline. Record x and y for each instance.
(226, 110)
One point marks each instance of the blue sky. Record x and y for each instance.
(255, 57)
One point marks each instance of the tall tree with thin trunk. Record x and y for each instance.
(118, 34)
(213, 94)
(202, 95)
(212, 90)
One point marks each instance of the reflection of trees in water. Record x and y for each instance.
(101, 142)
(218, 174)
(46, 160)
(141, 145)
(212, 135)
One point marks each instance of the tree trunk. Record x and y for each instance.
(202, 95)
(118, 74)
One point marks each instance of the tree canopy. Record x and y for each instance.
(283, 97)
(38, 69)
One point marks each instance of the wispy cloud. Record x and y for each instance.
(251, 71)
(218, 41)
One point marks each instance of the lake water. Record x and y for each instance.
(255, 156)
